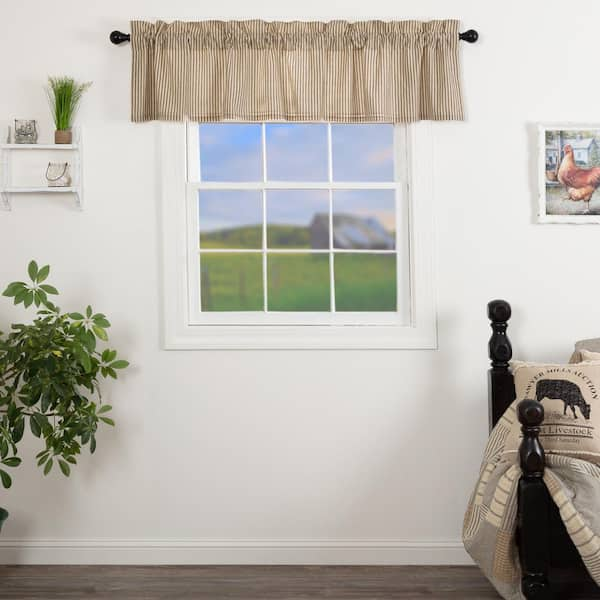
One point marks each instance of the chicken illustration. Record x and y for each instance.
(580, 183)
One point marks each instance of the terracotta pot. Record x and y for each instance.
(63, 136)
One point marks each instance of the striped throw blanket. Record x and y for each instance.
(491, 518)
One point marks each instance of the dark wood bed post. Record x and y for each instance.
(501, 386)
(533, 498)
(534, 502)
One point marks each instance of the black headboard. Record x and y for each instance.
(501, 385)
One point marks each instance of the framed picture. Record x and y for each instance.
(569, 173)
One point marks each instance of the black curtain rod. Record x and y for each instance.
(118, 37)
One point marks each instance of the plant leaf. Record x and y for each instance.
(48, 467)
(12, 461)
(18, 430)
(20, 296)
(6, 479)
(100, 333)
(32, 270)
(76, 316)
(85, 360)
(104, 409)
(119, 364)
(42, 421)
(108, 421)
(43, 273)
(35, 428)
(28, 299)
(49, 289)
(101, 321)
(12, 289)
(64, 467)
(89, 340)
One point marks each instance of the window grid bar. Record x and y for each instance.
(264, 218)
(199, 156)
(330, 194)
(293, 251)
(295, 185)
(400, 163)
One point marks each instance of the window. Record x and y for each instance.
(305, 230)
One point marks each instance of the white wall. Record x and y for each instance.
(295, 456)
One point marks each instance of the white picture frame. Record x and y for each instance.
(557, 202)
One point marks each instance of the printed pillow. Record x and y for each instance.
(591, 345)
(570, 395)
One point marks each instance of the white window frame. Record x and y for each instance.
(412, 327)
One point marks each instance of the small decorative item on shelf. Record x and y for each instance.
(58, 174)
(9, 135)
(26, 131)
(64, 95)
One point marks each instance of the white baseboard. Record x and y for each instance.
(216, 552)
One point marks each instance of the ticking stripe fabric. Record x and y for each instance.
(298, 71)
(489, 529)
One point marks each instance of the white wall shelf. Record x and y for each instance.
(39, 146)
(41, 190)
(8, 189)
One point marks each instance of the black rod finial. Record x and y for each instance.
(118, 37)
(470, 36)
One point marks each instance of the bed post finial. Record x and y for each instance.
(501, 389)
(531, 453)
(500, 350)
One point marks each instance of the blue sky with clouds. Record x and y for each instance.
(295, 152)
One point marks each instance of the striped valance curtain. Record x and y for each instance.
(298, 71)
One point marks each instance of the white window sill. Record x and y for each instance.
(210, 337)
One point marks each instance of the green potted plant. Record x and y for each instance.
(64, 95)
(50, 372)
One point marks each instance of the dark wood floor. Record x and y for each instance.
(253, 583)
(242, 583)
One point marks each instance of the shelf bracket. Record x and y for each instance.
(4, 180)
(5, 197)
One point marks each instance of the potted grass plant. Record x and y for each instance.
(64, 96)
(50, 372)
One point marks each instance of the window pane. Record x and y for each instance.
(230, 281)
(298, 282)
(230, 219)
(363, 152)
(231, 152)
(365, 282)
(297, 152)
(298, 219)
(364, 219)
